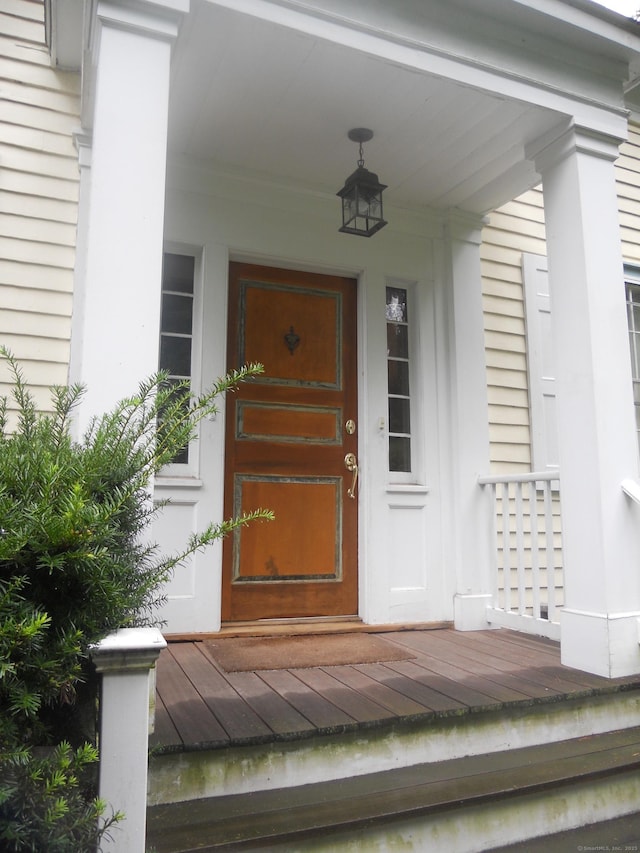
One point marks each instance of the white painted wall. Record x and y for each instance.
(402, 576)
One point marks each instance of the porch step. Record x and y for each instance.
(441, 801)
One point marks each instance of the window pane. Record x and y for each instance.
(175, 356)
(398, 369)
(396, 310)
(397, 341)
(634, 344)
(178, 272)
(398, 373)
(399, 420)
(633, 320)
(176, 323)
(177, 313)
(399, 454)
(177, 397)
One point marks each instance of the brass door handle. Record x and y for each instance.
(351, 464)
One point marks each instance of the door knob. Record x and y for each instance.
(351, 464)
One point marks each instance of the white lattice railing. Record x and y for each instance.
(528, 584)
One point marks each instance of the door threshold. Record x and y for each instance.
(300, 627)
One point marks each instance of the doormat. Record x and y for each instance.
(247, 654)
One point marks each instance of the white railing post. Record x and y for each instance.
(535, 550)
(519, 522)
(125, 659)
(506, 546)
(550, 557)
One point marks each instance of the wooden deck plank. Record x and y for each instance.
(481, 663)
(234, 714)
(417, 684)
(352, 702)
(275, 711)
(504, 645)
(397, 703)
(199, 704)
(318, 710)
(550, 678)
(455, 695)
(546, 662)
(469, 646)
(528, 641)
(188, 711)
(451, 669)
(164, 731)
(403, 682)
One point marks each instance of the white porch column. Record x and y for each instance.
(124, 659)
(117, 316)
(596, 428)
(472, 508)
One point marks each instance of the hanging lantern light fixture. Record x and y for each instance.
(362, 194)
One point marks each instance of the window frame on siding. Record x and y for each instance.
(632, 286)
(187, 464)
(535, 284)
(540, 364)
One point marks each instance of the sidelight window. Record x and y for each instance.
(397, 317)
(176, 322)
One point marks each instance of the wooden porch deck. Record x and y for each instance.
(199, 706)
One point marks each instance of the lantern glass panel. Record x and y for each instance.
(363, 204)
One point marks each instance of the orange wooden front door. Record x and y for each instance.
(286, 440)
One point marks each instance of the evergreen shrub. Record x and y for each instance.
(76, 562)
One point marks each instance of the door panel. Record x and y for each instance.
(286, 443)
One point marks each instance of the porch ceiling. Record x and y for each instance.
(254, 96)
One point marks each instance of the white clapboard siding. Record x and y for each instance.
(34, 139)
(39, 348)
(34, 276)
(37, 229)
(38, 199)
(35, 324)
(506, 415)
(41, 118)
(27, 29)
(30, 301)
(516, 228)
(42, 252)
(11, 48)
(35, 208)
(38, 185)
(628, 177)
(39, 76)
(38, 163)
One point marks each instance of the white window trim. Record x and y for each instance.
(413, 477)
(632, 276)
(189, 471)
